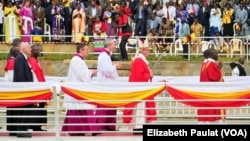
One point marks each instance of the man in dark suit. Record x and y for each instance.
(67, 15)
(140, 19)
(22, 73)
(203, 18)
(71, 9)
(92, 12)
(48, 14)
(39, 14)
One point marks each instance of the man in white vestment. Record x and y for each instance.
(107, 72)
(79, 72)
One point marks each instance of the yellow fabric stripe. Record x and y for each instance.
(216, 95)
(21, 94)
(137, 95)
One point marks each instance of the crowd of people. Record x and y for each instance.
(70, 21)
(23, 66)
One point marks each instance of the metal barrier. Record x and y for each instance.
(169, 111)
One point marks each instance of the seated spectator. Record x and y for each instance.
(37, 32)
(219, 43)
(152, 39)
(99, 28)
(153, 22)
(245, 31)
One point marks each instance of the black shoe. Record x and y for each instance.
(108, 129)
(12, 134)
(95, 134)
(77, 134)
(137, 131)
(39, 129)
(24, 135)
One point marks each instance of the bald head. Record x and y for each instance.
(25, 48)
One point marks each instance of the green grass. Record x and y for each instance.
(3, 56)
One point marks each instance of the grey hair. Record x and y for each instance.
(108, 42)
(23, 45)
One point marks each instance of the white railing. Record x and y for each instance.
(231, 46)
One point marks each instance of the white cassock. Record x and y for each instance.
(106, 71)
(78, 72)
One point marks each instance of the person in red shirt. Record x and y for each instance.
(140, 72)
(38, 76)
(211, 72)
(124, 32)
(125, 8)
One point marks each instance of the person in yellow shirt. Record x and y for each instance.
(227, 21)
(11, 23)
(197, 29)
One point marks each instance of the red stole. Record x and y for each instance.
(35, 65)
(10, 64)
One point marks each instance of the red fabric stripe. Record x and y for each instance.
(179, 95)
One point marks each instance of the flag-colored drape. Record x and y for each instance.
(20, 94)
(113, 94)
(211, 94)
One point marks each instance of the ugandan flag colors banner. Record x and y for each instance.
(112, 94)
(211, 94)
(20, 94)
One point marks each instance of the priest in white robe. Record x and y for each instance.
(79, 72)
(107, 72)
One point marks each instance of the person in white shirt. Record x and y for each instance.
(169, 11)
(107, 72)
(1, 21)
(79, 72)
(235, 69)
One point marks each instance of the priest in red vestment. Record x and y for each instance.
(211, 72)
(38, 76)
(8, 76)
(9, 67)
(140, 72)
(35, 65)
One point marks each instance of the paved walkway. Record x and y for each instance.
(122, 135)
